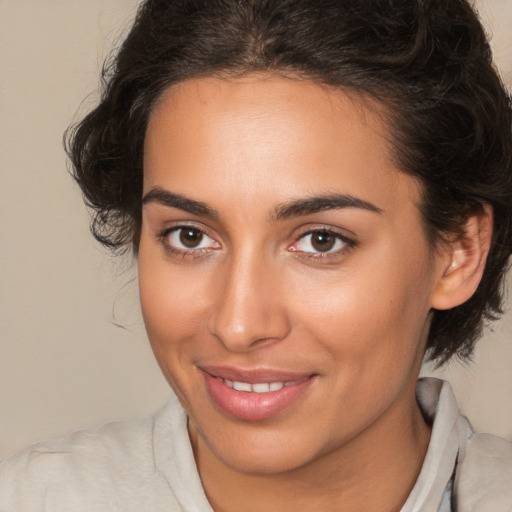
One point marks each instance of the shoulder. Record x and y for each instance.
(84, 469)
(483, 462)
(484, 474)
(106, 446)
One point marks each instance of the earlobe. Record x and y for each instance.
(463, 261)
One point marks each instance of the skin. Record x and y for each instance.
(256, 294)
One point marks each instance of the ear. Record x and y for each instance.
(462, 261)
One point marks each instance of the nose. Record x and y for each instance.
(249, 309)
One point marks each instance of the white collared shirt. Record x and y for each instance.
(148, 465)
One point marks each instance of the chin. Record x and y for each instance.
(263, 464)
(264, 452)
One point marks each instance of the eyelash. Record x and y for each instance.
(194, 253)
(163, 237)
(348, 244)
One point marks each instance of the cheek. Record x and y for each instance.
(172, 311)
(171, 301)
(369, 329)
(370, 314)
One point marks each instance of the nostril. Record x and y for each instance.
(247, 313)
(254, 333)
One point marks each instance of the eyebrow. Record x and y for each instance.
(166, 198)
(296, 208)
(302, 207)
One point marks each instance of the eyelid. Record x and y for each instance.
(343, 233)
(163, 237)
(349, 242)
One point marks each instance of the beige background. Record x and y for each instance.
(63, 363)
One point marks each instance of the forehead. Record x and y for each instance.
(260, 100)
(271, 135)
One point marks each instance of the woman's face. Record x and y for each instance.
(285, 276)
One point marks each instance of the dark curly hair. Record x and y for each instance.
(427, 61)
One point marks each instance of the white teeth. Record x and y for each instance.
(242, 386)
(260, 387)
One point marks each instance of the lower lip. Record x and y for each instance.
(253, 406)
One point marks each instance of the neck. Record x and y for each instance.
(375, 471)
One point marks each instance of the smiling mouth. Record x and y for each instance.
(254, 395)
(259, 387)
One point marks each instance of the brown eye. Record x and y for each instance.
(322, 241)
(191, 237)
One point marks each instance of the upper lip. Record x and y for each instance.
(253, 375)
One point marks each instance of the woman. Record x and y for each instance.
(318, 194)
